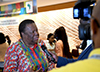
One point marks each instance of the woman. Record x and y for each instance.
(62, 46)
(26, 54)
(50, 44)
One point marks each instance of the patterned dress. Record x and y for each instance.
(20, 58)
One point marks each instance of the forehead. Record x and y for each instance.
(52, 36)
(31, 26)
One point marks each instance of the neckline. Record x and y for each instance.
(25, 44)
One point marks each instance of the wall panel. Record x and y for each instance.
(47, 22)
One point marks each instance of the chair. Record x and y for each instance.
(1, 66)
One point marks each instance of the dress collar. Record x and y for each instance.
(34, 46)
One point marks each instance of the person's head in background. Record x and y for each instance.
(60, 34)
(50, 37)
(95, 25)
(29, 32)
(3, 38)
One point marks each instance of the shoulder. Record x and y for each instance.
(13, 47)
(46, 42)
(59, 42)
(79, 66)
(41, 42)
(82, 66)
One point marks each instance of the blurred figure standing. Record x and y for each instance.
(62, 47)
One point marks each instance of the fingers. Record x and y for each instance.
(49, 58)
(54, 56)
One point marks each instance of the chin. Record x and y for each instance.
(34, 42)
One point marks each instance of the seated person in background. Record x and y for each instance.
(50, 44)
(3, 46)
(26, 54)
(62, 47)
(93, 62)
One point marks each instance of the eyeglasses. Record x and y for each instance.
(95, 21)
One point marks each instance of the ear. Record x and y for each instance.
(22, 34)
(94, 27)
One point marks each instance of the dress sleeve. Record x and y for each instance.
(11, 60)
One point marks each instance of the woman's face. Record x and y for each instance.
(51, 39)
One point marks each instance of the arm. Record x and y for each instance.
(64, 61)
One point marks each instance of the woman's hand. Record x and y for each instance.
(53, 55)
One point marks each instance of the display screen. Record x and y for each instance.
(76, 13)
(86, 13)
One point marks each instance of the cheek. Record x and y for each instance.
(31, 35)
(50, 40)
